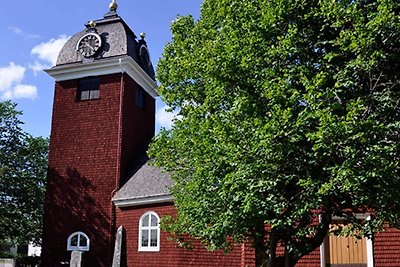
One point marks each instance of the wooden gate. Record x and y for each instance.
(342, 251)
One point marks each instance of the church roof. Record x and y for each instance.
(148, 185)
(113, 30)
(117, 40)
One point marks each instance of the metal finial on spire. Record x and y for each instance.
(113, 5)
(92, 24)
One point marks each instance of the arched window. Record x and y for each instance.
(149, 232)
(78, 241)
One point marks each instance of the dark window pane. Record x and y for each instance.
(145, 238)
(154, 220)
(140, 97)
(82, 241)
(153, 238)
(145, 220)
(74, 241)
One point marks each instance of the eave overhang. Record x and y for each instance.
(122, 203)
(123, 64)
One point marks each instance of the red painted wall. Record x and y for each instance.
(311, 260)
(170, 255)
(94, 145)
(86, 163)
(386, 251)
(387, 248)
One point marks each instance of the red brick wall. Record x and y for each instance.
(170, 255)
(85, 165)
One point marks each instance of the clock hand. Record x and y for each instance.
(87, 44)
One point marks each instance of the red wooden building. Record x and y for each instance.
(99, 179)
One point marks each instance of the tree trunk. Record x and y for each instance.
(262, 258)
(260, 246)
(266, 252)
(288, 259)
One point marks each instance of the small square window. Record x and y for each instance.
(140, 97)
(88, 88)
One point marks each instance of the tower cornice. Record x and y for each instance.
(124, 64)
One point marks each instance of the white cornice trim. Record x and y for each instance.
(143, 201)
(103, 67)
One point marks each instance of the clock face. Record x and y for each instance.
(89, 44)
(145, 60)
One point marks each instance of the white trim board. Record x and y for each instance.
(143, 201)
(124, 64)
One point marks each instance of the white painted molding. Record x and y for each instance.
(370, 248)
(149, 228)
(79, 247)
(322, 248)
(143, 201)
(124, 64)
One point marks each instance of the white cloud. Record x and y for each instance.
(38, 66)
(48, 51)
(6, 95)
(19, 31)
(165, 118)
(11, 85)
(10, 75)
(15, 30)
(25, 91)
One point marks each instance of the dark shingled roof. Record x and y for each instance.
(149, 181)
(118, 40)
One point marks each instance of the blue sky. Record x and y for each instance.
(32, 33)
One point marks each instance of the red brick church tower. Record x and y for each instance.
(103, 119)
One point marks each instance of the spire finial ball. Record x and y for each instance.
(92, 24)
(143, 35)
(113, 5)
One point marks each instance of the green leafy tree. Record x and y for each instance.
(23, 165)
(289, 115)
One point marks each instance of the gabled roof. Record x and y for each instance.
(148, 185)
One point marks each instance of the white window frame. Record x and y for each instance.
(78, 247)
(149, 248)
(369, 244)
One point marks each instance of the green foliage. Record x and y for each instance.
(23, 165)
(289, 115)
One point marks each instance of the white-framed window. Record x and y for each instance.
(78, 241)
(149, 232)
